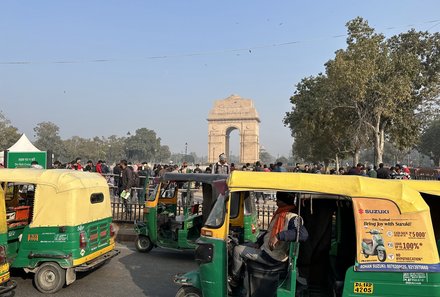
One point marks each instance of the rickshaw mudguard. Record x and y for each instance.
(402, 284)
(65, 261)
(191, 279)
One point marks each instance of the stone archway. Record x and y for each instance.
(227, 115)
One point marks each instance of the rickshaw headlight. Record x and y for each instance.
(204, 253)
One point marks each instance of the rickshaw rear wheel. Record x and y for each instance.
(188, 291)
(50, 278)
(143, 244)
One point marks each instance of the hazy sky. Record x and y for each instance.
(97, 68)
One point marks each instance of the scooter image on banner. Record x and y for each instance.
(374, 246)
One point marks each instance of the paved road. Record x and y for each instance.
(129, 274)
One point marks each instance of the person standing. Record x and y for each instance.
(197, 170)
(98, 167)
(184, 168)
(89, 167)
(383, 172)
(77, 165)
(371, 172)
(221, 167)
(127, 181)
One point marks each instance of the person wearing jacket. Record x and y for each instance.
(273, 248)
(127, 181)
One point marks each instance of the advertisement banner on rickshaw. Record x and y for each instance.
(390, 241)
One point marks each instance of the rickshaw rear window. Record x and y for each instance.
(97, 198)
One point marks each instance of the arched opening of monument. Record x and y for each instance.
(233, 145)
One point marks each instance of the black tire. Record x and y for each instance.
(188, 292)
(49, 278)
(143, 244)
(381, 255)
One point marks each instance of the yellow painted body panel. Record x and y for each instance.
(94, 255)
(4, 278)
(3, 225)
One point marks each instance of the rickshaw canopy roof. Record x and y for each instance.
(407, 198)
(207, 178)
(63, 197)
(60, 179)
(425, 186)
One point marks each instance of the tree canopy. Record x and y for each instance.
(9, 134)
(144, 145)
(375, 90)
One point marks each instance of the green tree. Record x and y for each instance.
(374, 89)
(115, 149)
(164, 154)
(265, 156)
(144, 145)
(9, 134)
(320, 130)
(430, 142)
(388, 85)
(47, 138)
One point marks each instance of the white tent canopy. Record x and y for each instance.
(23, 145)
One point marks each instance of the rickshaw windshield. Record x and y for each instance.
(168, 190)
(152, 194)
(217, 214)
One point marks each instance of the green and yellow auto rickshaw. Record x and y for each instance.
(58, 223)
(6, 285)
(367, 237)
(166, 226)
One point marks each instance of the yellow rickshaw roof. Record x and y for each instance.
(62, 180)
(407, 198)
(425, 186)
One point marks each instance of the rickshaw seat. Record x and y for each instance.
(264, 279)
(279, 267)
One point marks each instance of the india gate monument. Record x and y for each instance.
(227, 115)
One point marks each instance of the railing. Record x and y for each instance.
(134, 211)
(136, 207)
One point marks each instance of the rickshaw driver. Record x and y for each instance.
(272, 248)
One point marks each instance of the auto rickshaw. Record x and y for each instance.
(339, 213)
(163, 226)
(58, 223)
(6, 285)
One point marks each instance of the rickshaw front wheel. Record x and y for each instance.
(143, 244)
(188, 291)
(50, 278)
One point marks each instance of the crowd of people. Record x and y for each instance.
(394, 172)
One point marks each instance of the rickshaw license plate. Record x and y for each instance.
(363, 288)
